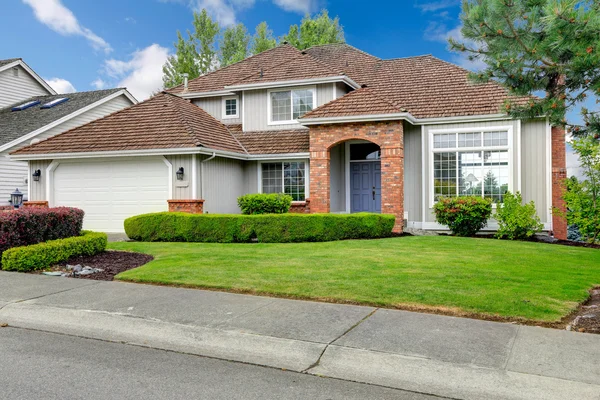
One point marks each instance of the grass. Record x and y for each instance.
(464, 276)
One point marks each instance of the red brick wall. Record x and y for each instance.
(559, 174)
(188, 206)
(35, 204)
(388, 135)
(301, 207)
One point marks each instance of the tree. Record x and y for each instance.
(533, 46)
(582, 197)
(263, 39)
(194, 56)
(233, 46)
(320, 29)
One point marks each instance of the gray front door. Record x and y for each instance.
(365, 186)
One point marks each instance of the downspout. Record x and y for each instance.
(202, 173)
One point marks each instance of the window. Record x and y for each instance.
(25, 106)
(287, 177)
(55, 102)
(286, 106)
(471, 163)
(230, 107)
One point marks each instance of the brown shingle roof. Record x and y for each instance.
(161, 122)
(275, 142)
(365, 101)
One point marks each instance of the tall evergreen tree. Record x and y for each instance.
(263, 39)
(537, 46)
(320, 29)
(233, 46)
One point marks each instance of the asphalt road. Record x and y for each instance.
(39, 365)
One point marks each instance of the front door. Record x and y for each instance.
(365, 186)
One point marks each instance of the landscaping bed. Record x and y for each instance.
(587, 317)
(110, 263)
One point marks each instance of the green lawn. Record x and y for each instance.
(515, 280)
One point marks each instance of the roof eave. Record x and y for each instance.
(402, 116)
(296, 82)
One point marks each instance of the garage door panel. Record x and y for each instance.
(111, 191)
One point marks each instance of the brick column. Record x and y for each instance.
(188, 206)
(35, 204)
(559, 174)
(392, 184)
(320, 191)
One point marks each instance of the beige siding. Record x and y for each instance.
(413, 185)
(214, 106)
(14, 89)
(534, 165)
(256, 113)
(223, 184)
(341, 89)
(13, 175)
(182, 190)
(251, 177)
(38, 189)
(338, 178)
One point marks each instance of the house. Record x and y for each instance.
(30, 110)
(338, 129)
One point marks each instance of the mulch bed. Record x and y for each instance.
(587, 317)
(111, 261)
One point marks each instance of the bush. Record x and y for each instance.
(517, 220)
(44, 255)
(30, 226)
(465, 216)
(271, 228)
(261, 203)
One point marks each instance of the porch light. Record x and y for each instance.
(179, 174)
(36, 175)
(16, 198)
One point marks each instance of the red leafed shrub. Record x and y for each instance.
(30, 226)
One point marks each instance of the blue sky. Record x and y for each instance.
(88, 44)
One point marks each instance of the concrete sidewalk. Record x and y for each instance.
(444, 356)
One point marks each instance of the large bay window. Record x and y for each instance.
(287, 177)
(471, 164)
(286, 106)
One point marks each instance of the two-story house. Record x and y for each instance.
(336, 128)
(30, 110)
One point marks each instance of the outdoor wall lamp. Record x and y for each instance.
(36, 175)
(16, 198)
(179, 174)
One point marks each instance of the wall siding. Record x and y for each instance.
(182, 190)
(14, 89)
(337, 163)
(214, 106)
(413, 182)
(223, 184)
(13, 175)
(38, 189)
(251, 177)
(534, 165)
(341, 89)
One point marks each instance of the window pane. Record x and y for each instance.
(444, 173)
(294, 179)
(444, 141)
(281, 106)
(470, 173)
(271, 178)
(365, 151)
(303, 102)
(469, 139)
(495, 178)
(231, 107)
(495, 139)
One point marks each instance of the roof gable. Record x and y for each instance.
(13, 62)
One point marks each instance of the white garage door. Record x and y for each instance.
(113, 190)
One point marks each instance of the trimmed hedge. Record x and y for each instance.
(267, 228)
(44, 255)
(262, 203)
(30, 226)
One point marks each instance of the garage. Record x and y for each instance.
(111, 190)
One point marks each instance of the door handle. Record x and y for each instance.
(373, 192)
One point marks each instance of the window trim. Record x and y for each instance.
(509, 147)
(223, 107)
(306, 162)
(288, 89)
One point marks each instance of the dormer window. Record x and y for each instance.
(230, 107)
(286, 106)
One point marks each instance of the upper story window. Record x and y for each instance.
(471, 164)
(230, 107)
(286, 106)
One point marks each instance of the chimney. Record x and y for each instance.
(185, 81)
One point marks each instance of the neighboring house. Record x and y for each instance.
(338, 129)
(31, 111)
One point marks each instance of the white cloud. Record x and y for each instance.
(431, 6)
(131, 20)
(99, 84)
(299, 6)
(61, 85)
(142, 73)
(60, 19)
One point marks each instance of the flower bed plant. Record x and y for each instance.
(262, 203)
(465, 216)
(268, 228)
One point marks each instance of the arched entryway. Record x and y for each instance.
(364, 166)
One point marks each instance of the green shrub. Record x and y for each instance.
(465, 216)
(516, 220)
(44, 255)
(262, 203)
(268, 228)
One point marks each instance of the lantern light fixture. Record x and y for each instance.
(16, 198)
(179, 174)
(36, 175)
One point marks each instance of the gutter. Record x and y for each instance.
(401, 116)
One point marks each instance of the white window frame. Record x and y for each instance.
(306, 176)
(224, 108)
(509, 147)
(290, 89)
